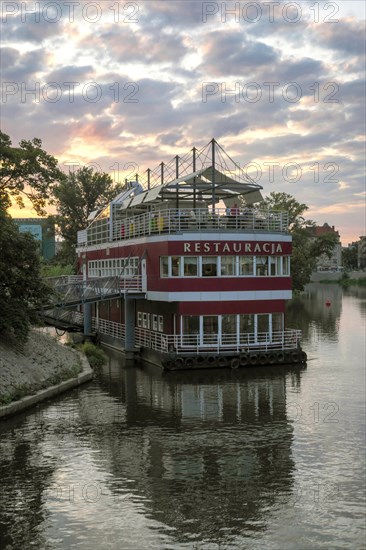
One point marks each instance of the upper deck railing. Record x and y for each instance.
(170, 221)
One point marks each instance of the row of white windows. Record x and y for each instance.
(116, 267)
(233, 328)
(224, 266)
(150, 321)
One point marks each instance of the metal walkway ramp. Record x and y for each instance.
(72, 290)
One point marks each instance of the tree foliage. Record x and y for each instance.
(350, 257)
(26, 171)
(306, 248)
(76, 197)
(22, 289)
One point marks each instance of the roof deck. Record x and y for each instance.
(200, 192)
(124, 225)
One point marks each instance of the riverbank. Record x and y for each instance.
(335, 276)
(39, 370)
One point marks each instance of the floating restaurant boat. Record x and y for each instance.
(193, 275)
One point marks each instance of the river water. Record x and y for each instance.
(268, 458)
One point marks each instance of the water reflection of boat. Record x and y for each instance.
(209, 452)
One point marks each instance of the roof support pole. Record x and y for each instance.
(177, 176)
(162, 173)
(213, 143)
(194, 179)
(148, 177)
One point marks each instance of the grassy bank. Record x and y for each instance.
(38, 364)
(345, 281)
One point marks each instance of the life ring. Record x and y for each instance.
(253, 359)
(280, 357)
(295, 357)
(179, 362)
(222, 361)
(234, 363)
(189, 362)
(263, 359)
(169, 364)
(272, 358)
(200, 359)
(244, 360)
(211, 360)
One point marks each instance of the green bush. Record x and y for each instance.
(56, 270)
(96, 356)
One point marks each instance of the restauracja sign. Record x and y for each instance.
(234, 248)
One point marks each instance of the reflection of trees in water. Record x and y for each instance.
(358, 292)
(310, 311)
(25, 475)
(210, 452)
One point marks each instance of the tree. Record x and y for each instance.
(26, 171)
(306, 248)
(350, 257)
(76, 197)
(22, 289)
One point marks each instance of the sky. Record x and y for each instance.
(122, 86)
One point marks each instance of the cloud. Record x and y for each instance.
(230, 53)
(20, 67)
(346, 37)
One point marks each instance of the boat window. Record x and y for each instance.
(190, 266)
(228, 266)
(246, 265)
(275, 265)
(246, 328)
(262, 266)
(164, 266)
(191, 329)
(209, 266)
(285, 265)
(176, 262)
(145, 320)
(228, 329)
(210, 329)
(155, 322)
(262, 327)
(277, 322)
(161, 323)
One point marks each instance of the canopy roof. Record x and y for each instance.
(205, 177)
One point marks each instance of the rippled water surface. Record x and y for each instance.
(228, 459)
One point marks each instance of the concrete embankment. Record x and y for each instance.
(40, 370)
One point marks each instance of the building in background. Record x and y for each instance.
(325, 263)
(43, 231)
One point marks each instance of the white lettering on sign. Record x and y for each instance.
(233, 248)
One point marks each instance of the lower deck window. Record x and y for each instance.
(161, 323)
(244, 329)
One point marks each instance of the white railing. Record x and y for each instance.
(109, 328)
(131, 283)
(191, 343)
(174, 220)
(64, 280)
